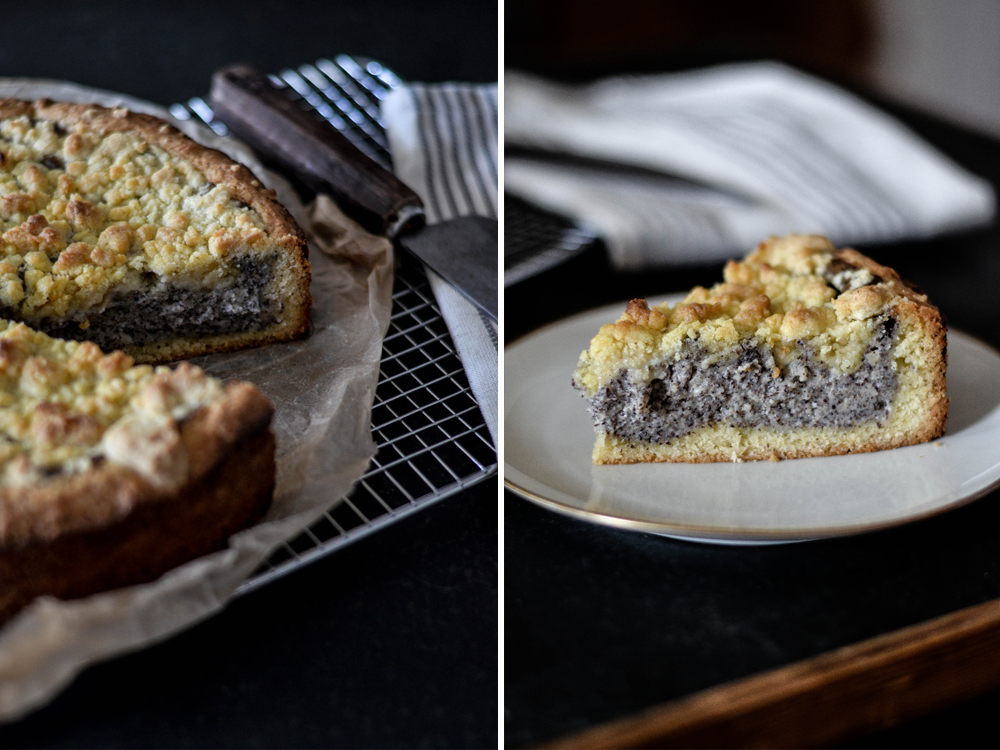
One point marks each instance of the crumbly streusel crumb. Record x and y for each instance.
(82, 213)
(65, 404)
(782, 293)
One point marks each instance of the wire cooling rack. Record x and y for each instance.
(536, 240)
(431, 437)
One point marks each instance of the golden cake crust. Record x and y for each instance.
(110, 526)
(281, 231)
(110, 491)
(112, 473)
(790, 292)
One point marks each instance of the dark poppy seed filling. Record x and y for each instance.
(686, 393)
(163, 311)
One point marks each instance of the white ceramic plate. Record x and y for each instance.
(548, 437)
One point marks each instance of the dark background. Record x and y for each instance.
(166, 52)
(585, 39)
(391, 642)
(602, 623)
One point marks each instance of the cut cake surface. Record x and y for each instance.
(803, 350)
(117, 228)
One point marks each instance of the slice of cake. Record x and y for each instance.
(804, 350)
(111, 474)
(118, 229)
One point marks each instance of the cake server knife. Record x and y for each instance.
(463, 251)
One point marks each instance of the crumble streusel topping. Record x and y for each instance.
(66, 404)
(789, 296)
(82, 213)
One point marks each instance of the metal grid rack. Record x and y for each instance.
(536, 240)
(431, 437)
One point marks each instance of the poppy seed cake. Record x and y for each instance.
(804, 350)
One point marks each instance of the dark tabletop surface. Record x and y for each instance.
(601, 623)
(391, 642)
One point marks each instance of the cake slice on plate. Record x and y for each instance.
(804, 350)
(117, 228)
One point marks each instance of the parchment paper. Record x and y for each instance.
(322, 389)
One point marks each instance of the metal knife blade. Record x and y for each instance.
(454, 249)
(463, 251)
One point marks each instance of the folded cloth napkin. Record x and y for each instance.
(727, 156)
(443, 140)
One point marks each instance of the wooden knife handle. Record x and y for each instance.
(319, 154)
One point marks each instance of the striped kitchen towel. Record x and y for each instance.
(699, 166)
(443, 140)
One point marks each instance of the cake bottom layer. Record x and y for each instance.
(717, 443)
